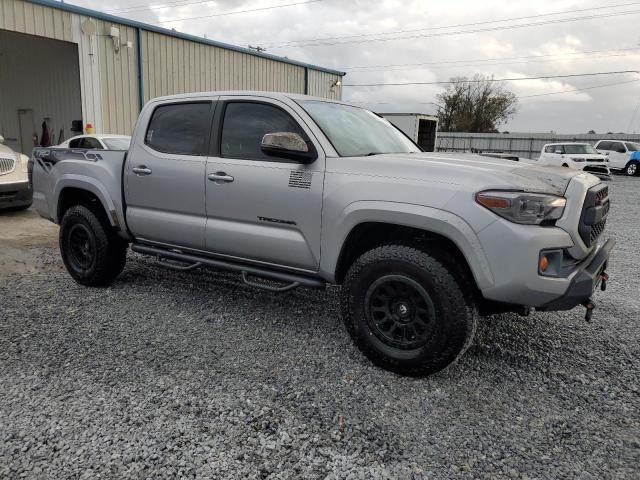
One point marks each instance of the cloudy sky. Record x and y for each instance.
(399, 41)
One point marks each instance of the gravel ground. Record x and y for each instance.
(170, 375)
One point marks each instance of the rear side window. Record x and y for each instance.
(85, 142)
(246, 123)
(90, 142)
(180, 129)
(549, 149)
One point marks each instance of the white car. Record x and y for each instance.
(579, 156)
(624, 156)
(98, 142)
(15, 186)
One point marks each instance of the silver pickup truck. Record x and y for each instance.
(292, 191)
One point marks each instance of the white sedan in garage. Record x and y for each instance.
(98, 142)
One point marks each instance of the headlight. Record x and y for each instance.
(522, 207)
(577, 159)
(24, 160)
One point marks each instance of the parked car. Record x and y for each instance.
(308, 192)
(623, 156)
(98, 142)
(579, 156)
(15, 187)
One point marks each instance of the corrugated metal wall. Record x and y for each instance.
(320, 85)
(525, 145)
(174, 65)
(118, 79)
(19, 16)
(30, 79)
(109, 77)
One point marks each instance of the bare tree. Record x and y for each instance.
(477, 105)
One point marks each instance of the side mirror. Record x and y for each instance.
(288, 145)
(1, 139)
(621, 150)
(607, 152)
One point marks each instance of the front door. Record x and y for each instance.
(165, 175)
(262, 208)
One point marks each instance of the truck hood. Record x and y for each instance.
(474, 171)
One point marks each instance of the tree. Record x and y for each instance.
(477, 105)
(591, 132)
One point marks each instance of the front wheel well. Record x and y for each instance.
(72, 196)
(367, 236)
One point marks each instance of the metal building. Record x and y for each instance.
(66, 66)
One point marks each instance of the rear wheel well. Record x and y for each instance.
(367, 236)
(71, 196)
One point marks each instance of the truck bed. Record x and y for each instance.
(97, 171)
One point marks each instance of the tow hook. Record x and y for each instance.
(604, 278)
(590, 306)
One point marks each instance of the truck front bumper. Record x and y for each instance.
(584, 281)
(15, 195)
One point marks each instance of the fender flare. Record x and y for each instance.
(420, 217)
(89, 184)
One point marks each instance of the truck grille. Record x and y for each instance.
(594, 214)
(7, 165)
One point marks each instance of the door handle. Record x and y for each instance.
(141, 170)
(220, 177)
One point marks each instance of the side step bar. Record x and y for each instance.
(294, 280)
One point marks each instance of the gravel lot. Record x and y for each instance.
(170, 375)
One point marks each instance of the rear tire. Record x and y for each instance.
(632, 169)
(406, 311)
(91, 251)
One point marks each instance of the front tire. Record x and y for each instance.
(632, 169)
(406, 311)
(91, 251)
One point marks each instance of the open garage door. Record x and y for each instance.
(39, 83)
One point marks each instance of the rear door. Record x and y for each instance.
(165, 174)
(262, 208)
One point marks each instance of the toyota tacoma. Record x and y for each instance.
(290, 191)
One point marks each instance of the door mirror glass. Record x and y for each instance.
(287, 145)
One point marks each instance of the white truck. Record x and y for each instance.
(304, 191)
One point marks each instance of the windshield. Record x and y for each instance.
(579, 149)
(117, 143)
(355, 132)
(632, 147)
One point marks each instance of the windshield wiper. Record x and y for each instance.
(373, 153)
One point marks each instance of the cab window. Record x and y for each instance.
(245, 123)
(180, 128)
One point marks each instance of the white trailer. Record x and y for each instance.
(420, 127)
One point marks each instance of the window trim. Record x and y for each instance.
(207, 142)
(216, 147)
